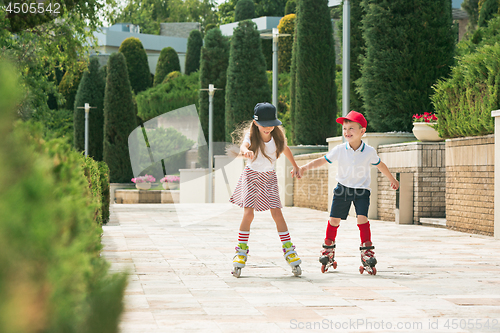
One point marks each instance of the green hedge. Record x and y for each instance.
(176, 93)
(52, 278)
(464, 101)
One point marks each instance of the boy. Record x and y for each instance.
(355, 159)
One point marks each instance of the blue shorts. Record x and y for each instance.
(342, 198)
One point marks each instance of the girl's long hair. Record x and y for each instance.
(257, 144)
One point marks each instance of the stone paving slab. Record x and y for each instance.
(179, 261)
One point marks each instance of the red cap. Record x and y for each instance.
(354, 116)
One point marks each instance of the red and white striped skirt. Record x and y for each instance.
(258, 190)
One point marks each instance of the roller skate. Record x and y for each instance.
(368, 258)
(327, 258)
(239, 259)
(292, 258)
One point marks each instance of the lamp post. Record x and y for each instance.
(346, 57)
(211, 92)
(87, 108)
(275, 35)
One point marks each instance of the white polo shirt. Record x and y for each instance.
(261, 163)
(353, 165)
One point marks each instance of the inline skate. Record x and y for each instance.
(327, 258)
(239, 259)
(368, 259)
(292, 258)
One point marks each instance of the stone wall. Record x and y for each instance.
(470, 184)
(426, 161)
(311, 191)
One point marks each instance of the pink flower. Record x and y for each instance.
(170, 179)
(425, 117)
(144, 179)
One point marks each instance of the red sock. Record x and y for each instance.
(243, 237)
(364, 232)
(331, 232)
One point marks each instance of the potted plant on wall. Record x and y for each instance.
(423, 127)
(170, 182)
(143, 182)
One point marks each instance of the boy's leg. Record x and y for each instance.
(364, 229)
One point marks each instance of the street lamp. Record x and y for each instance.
(211, 92)
(87, 108)
(275, 35)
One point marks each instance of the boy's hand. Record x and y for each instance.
(248, 154)
(394, 184)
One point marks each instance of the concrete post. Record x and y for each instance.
(496, 227)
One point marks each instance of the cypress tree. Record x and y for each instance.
(246, 76)
(244, 10)
(119, 120)
(137, 64)
(91, 90)
(195, 42)
(315, 90)
(167, 62)
(213, 68)
(409, 46)
(290, 7)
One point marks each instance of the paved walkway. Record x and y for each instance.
(179, 258)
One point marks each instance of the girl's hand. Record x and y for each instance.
(394, 184)
(295, 172)
(248, 154)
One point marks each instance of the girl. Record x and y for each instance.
(257, 188)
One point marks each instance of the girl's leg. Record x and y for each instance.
(246, 221)
(288, 249)
(279, 220)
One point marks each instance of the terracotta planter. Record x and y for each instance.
(143, 186)
(426, 133)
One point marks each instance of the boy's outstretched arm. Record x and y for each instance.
(312, 165)
(385, 170)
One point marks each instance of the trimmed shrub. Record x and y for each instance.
(246, 76)
(213, 70)
(315, 91)
(93, 175)
(167, 62)
(175, 93)
(137, 64)
(409, 46)
(488, 35)
(91, 90)
(172, 76)
(244, 10)
(463, 102)
(52, 278)
(195, 42)
(104, 178)
(119, 120)
(285, 44)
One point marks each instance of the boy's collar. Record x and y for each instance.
(361, 147)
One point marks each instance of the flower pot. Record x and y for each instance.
(170, 186)
(426, 133)
(143, 186)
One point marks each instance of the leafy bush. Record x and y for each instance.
(69, 85)
(488, 35)
(463, 102)
(488, 9)
(104, 178)
(137, 64)
(173, 94)
(52, 278)
(167, 62)
(244, 10)
(164, 140)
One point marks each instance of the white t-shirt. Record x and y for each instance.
(261, 163)
(354, 165)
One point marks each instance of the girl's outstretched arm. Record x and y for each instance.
(245, 151)
(289, 155)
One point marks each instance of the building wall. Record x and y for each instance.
(311, 191)
(470, 184)
(426, 161)
(178, 29)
